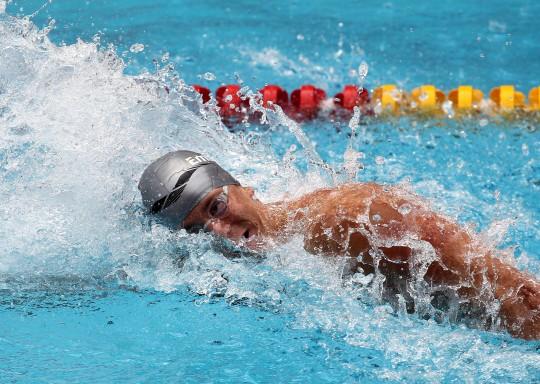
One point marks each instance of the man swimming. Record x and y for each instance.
(382, 229)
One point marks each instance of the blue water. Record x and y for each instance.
(92, 291)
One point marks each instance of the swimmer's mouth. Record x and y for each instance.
(246, 234)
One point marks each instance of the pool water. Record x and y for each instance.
(91, 290)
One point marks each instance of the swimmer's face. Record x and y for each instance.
(231, 212)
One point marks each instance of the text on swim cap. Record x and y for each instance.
(194, 160)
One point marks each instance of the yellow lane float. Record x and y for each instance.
(427, 98)
(506, 98)
(465, 98)
(534, 99)
(387, 98)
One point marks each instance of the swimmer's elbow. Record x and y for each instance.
(520, 312)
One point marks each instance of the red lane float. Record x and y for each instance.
(230, 103)
(306, 101)
(274, 95)
(351, 97)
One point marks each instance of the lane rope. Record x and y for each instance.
(309, 101)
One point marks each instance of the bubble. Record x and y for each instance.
(300, 37)
(209, 76)
(136, 48)
(483, 122)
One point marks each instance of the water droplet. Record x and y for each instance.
(448, 108)
(209, 76)
(238, 78)
(136, 48)
(405, 209)
(165, 57)
(379, 160)
(376, 218)
(525, 149)
(483, 122)
(363, 69)
(300, 37)
(340, 24)
(228, 98)
(243, 92)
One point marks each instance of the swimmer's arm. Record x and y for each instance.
(480, 275)
(518, 293)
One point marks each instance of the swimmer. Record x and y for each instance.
(381, 229)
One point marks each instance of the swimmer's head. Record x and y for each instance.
(190, 191)
(173, 185)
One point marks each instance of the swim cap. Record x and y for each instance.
(175, 183)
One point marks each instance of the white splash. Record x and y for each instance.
(75, 135)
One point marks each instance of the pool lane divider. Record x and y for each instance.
(310, 102)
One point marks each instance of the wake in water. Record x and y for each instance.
(75, 136)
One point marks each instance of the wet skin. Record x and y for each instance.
(382, 230)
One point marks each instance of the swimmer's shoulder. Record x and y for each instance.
(329, 202)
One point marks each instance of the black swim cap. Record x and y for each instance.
(175, 183)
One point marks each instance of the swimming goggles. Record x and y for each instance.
(217, 209)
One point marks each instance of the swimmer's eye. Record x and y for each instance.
(218, 207)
